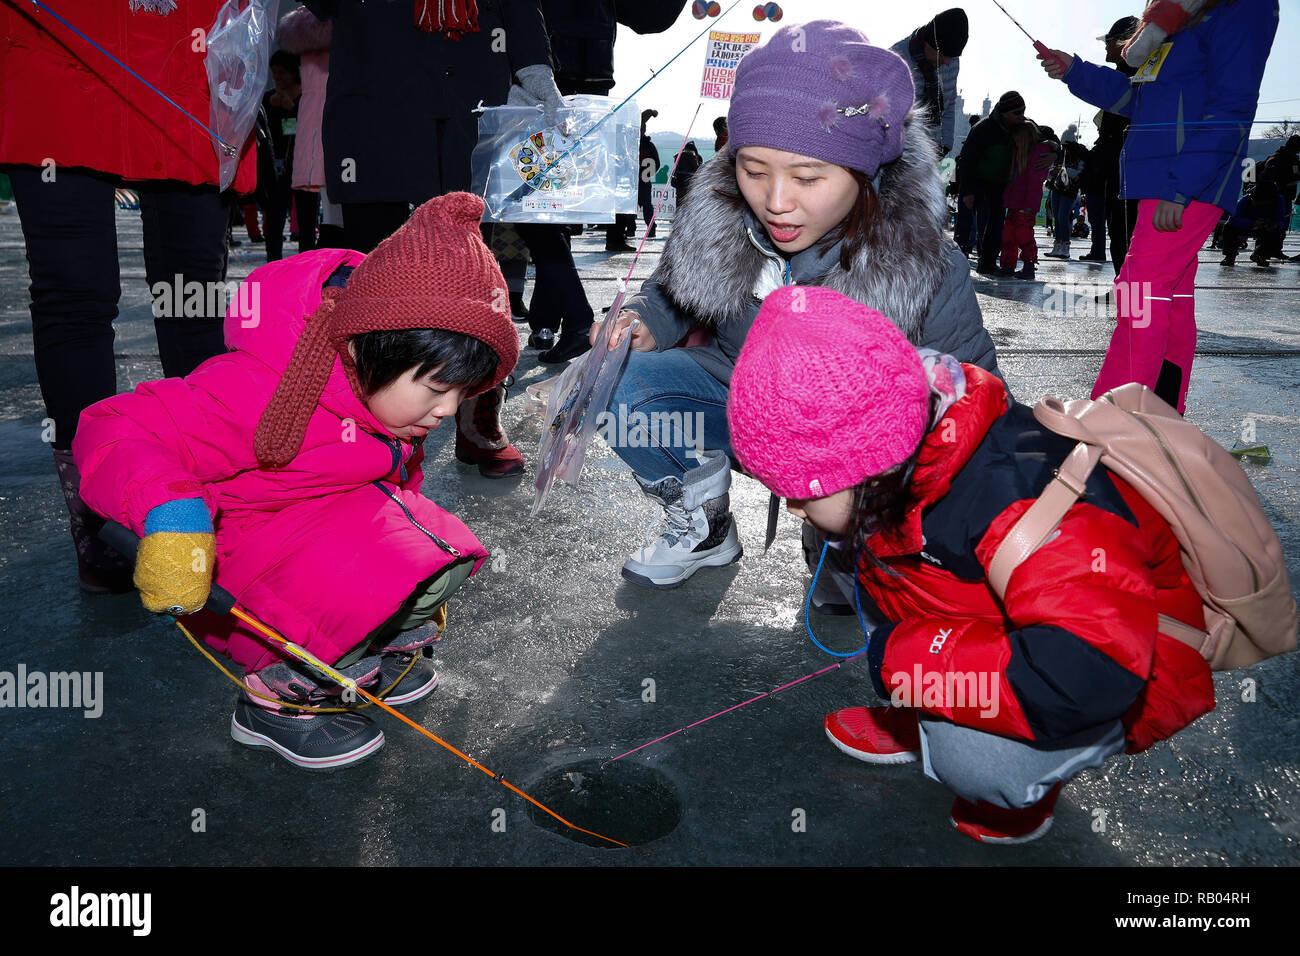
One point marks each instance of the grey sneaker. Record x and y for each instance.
(698, 530)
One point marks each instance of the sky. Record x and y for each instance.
(997, 58)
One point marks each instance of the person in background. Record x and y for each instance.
(60, 125)
(281, 105)
(932, 52)
(649, 167)
(1192, 113)
(1031, 158)
(720, 133)
(966, 227)
(308, 38)
(984, 168)
(1119, 215)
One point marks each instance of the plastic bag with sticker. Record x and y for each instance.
(582, 169)
(573, 409)
(237, 61)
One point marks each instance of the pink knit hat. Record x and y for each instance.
(826, 393)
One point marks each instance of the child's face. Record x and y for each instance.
(797, 198)
(411, 407)
(832, 514)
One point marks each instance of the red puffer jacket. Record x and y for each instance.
(66, 101)
(1075, 644)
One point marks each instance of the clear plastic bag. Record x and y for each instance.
(579, 170)
(575, 403)
(237, 61)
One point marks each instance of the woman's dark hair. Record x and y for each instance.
(879, 504)
(860, 223)
(383, 357)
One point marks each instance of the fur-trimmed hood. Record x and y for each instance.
(711, 265)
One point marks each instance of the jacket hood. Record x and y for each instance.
(710, 266)
(270, 311)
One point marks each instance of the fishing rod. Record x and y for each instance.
(1038, 45)
(221, 601)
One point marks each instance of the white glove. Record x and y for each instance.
(537, 86)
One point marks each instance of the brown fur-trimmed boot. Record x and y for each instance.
(480, 439)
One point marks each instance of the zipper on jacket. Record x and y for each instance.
(410, 517)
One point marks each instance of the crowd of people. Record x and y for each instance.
(810, 308)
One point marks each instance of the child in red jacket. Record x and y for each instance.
(1030, 161)
(921, 466)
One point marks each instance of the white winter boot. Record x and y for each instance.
(698, 530)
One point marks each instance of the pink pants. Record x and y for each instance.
(1154, 292)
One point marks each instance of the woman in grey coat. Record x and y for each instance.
(829, 179)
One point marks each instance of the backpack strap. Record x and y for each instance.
(1044, 516)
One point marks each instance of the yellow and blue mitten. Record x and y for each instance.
(173, 568)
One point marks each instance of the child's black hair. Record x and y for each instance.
(383, 357)
(288, 61)
(879, 504)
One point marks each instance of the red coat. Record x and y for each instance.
(1075, 644)
(65, 100)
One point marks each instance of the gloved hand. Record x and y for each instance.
(537, 85)
(173, 568)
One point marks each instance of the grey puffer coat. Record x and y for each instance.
(719, 264)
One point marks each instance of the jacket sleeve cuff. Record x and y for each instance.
(188, 515)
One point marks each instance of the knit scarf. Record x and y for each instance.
(452, 17)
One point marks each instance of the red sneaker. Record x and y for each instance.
(876, 734)
(992, 824)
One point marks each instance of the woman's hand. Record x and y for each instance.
(1168, 216)
(642, 339)
(1056, 63)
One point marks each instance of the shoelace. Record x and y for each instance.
(673, 524)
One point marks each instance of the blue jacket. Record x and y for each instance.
(1191, 124)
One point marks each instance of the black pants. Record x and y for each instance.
(276, 212)
(71, 238)
(1121, 217)
(990, 213)
(1096, 203)
(558, 295)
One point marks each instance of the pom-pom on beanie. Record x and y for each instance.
(821, 89)
(432, 273)
(826, 393)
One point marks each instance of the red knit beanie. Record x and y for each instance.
(432, 273)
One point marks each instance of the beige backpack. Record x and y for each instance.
(1230, 551)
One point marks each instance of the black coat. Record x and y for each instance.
(582, 37)
(398, 125)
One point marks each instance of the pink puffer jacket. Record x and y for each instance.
(324, 550)
(1026, 190)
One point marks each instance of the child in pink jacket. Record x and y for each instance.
(1022, 197)
(289, 467)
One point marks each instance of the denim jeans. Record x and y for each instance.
(664, 409)
(1063, 217)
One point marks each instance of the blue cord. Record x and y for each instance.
(857, 603)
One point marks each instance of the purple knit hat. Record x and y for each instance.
(826, 393)
(821, 89)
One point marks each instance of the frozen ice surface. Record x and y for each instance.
(548, 655)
